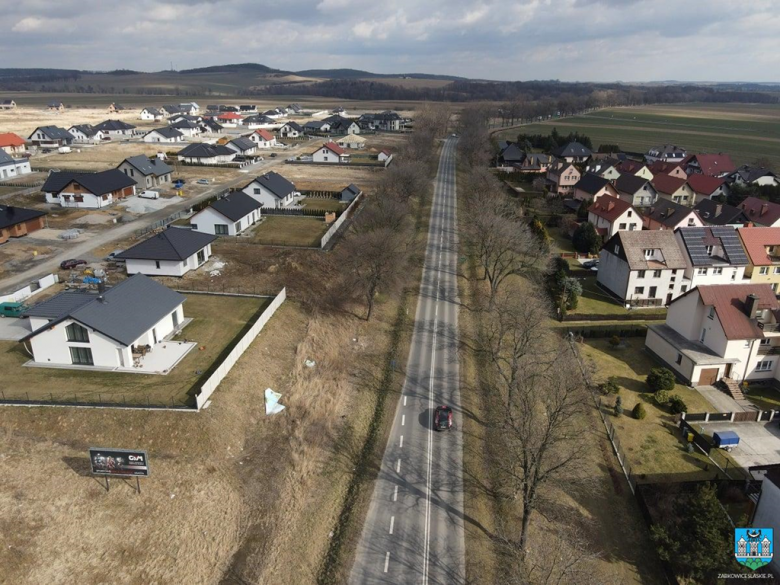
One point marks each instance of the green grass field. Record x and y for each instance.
(745, 131)
(322, 203)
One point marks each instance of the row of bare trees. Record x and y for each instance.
(534, 383)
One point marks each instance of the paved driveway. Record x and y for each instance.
(12, 329)
(722, 402)
(759, 442)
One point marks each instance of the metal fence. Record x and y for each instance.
(616, 446)
(162, 222)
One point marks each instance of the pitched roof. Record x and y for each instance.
(149, 166)
(295, 126)
(86, 129)
(351, 189)
(242, 143)
(572, 149)
(172, 244)
(203, 150)
(276, 184)
(760, 210)
(599, 166)
(335, 148)
(512, 153)
(729, 302)
(154, 111)
(609, 207)
(661, 167)
(634, 243)
(756, 240)
(631, 166)
(591, 184)
(10, 215)
(10, 139)
(183, 123)
(104, 181)
(669, 213)
(714, 164)
(668, 150)
(124, 313)
(723, 239)
(316, 125)
(229, 116)
(6, 159)
(750, 173)
(351, 139)
(235, 205)
(264, 134)
(58, 180)
(261, 119)
(166, 132)
(704, 184)
(667, 184)
(629, 184)
(714, 213)
(54, 132)
(114, 125)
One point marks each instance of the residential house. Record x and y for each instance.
(173, 252)
(753, 175)
(86, 134)
(762, 245)
(190, 108)
(713, 255)
(642, 268)
(104, 329)
(638, 191)
(610, 215)
(50, 137)
(7, 104)
(259, 121)
(247, 108)
(767, 512)
(171, 110)
(16, 222)
(166, 134)
(230, 119)
(186, 127)
(638, 169)
(562, 177)
(316, 127)
(387, 121)
(606, 168)
(272, 190)
(719, 331)
(573, 152)
(714, 165)
(384, 155)
(345, 126)
(761, 212)
(263, 138)
(152, 114)
(672, 169)
(12, 167)
(673, 189)
(115, 108)
(590, 187)
(229, 216)
(668, 215)
(206, 154)
(211, 126)
(511, 154)
(352, 141)
(12, 144)
(707, 186)
(225, 108)
(291, 130)
(330, 152)
(149, 173)
(115, 128)
(88, 190)
(184, 118)
(714, 213)
(665, 153)
(56, 106)
(274, 113)
(535, 163)
(242, 145)
(349, 193)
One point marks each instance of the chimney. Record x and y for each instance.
(764, 209)
(101, 289)
(718, 209)
(751, 305)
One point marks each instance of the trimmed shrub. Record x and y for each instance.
(610, 386)
(614, 341)
(662, 397)
(660, 379)
(618, 406)
(677, 404)
(639, 411)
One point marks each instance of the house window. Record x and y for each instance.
(220, 229)
(678, 361)
(703, 334)
(76, 332)
(777, 270)
(629, 213)
(656, 274)
(765, 342)
(691, 221)
(709, 250)
(734, 274)
(702, 271)
(652, 292)
(649, 253)
(617, 249)
(712, 313)
(717, 271)
(194, 226)
(622, 226)
(632, 227)
(683, 288)
(237, 226)
(640, 274)
(639, 290)
(81, 356)
(763, 270)
(764, 366)
(157, 264)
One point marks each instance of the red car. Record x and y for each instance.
(442, 418)
(72, 263)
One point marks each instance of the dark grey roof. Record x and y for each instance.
(697, 239)
(55, 104)
(668, 150)
(149, 166)
(572, 149)
(714, 213)
(750, 173)
(242, 143)
(315, 125)
(591, 183)
(154, 111)
(172, 109)
(6, 159)
(114, 125)
(95, 183)
(295, 126)
(628, 183)
(184, 123)
(86, 129)
(202, 150)
(259, 119)
(235, 205)
(172, 244)
(276, 184)
(10, 215)
(212, 124)
(668, 212)
(352, 189)
(54, 132)
(512, 153)
(126, 311)
(57, 181)
(166, 132)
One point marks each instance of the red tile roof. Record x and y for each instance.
(229, 116)
(264, 134)
(704, 184)
(760, 211)
(729, 302)
(756, 240)
(663, 167)
(667, 184)
(715, 164)
(609, 207)
(631, 166)
(333, 147)
(11, 139)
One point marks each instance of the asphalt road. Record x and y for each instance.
(414, 529)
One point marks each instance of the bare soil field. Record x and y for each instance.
(100, 157)
(333, 176)
(23, 119)
(279, 230)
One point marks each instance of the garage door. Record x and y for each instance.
(708, 376)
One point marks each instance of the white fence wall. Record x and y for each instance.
(26, 292)
(224, 368)
(340, 221)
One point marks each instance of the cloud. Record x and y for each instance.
(30, 24)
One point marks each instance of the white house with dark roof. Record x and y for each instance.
(13, 167)
(86, 134)
(117, 329)
(173, 252)
(713, 255)
(116, 128)
(272, 190)
(228, 216)
(591, 186)
(188, 128)
(573, 152)
(152, 114)
(50, 137)
(242, 145)
(668, 215)
(206, 154)
(291, 130)
(88, 190)
(637, 190)
(166, 134)
(148, 172)
(666, 153)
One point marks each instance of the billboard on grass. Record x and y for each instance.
(121, 462)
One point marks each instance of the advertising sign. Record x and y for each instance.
(119, 462)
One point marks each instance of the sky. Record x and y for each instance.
(570, 40)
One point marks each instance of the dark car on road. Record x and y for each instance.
(442, 418)
(72, 263)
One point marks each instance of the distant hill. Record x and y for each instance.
(359, 74)
(232, 68)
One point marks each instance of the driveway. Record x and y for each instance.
(759, 442)
(12, 329)
(722, 402)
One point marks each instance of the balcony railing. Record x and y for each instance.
(769, 350)
(768, 327)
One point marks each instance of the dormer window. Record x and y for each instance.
(649, 253)
(709, 250)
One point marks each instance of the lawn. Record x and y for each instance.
(653, 446)
(289, 230)
(595, 301)
(216, 321)
(765, 396)
(323, 203)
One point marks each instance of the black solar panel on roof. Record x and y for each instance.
(697, 250)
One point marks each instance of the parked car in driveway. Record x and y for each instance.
(442, 418)
(202, 181)
(149, 194)
(591, 265)
(72, 263)
(11, 309)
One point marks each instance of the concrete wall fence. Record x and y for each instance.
(340, 221)
(27, 291)
(208, 387)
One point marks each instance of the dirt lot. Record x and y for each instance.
(100, 157)
(22, 120)
(331, 178)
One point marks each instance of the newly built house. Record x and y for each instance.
(206, 154)
(228, 216)
(148, 172)
(166, 134)
(330, 152)
(88, 190)
(16, 222)
(12, 167)
(272, 190)
(173, 252)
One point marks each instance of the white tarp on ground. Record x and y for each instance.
(272, 405)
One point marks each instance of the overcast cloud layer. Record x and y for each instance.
(588, 40)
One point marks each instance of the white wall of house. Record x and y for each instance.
(19, 167)
(653, 284)
(147, 181)
(581, 195)
(261, 142)
(724, 274)
(211, 160)
(613, 273)
(51, 346)
(157, 137)
(325, 155)
(237, 150)
(147, 115)
(208, 219)
(189, 132)
(627, 221)
(168, 267)
(288, 132)
(264, 197)
(88, 200)
(669, 354)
